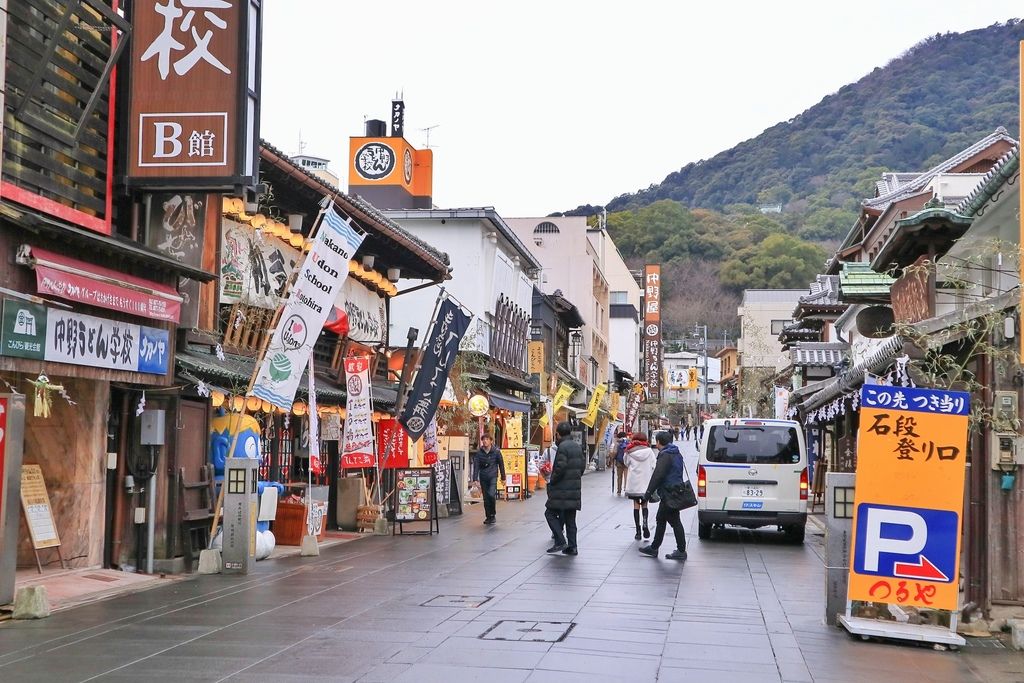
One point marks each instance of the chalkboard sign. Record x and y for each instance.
(415, 498)
(454, 493)
(443, 480)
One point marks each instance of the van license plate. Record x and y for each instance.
(753, 493)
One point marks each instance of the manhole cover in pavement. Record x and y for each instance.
(101, 577)
(463, 601)
(529, 631)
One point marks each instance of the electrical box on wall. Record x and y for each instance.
(1005, 450)
(152, 423)
(1005, 410)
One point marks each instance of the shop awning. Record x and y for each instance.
(74, 280)
(195, 363)
(508, 402)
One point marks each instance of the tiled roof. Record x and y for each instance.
(233, 374)
(858, 280)
(891, 182)
(826, 354)
(824, 291)
(908, 188)
(1004, 169)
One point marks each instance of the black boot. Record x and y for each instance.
(636, 521)
(647, 531)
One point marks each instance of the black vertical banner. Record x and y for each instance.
(397, 118)
(439, 352)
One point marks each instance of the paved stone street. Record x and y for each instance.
(747, 607)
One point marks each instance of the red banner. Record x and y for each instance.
(398, 455)
(86, 283)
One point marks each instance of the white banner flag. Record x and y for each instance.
(357, 446)
(309, 303)
(314, 427)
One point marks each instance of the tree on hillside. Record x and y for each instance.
(779, 262)
(905, 116)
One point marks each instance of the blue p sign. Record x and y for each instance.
(910, 543)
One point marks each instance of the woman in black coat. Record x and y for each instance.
(565, 492)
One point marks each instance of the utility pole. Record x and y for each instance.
(701, 332)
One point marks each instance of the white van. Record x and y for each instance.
(752, 473)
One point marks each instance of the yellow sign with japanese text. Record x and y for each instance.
(561, 398)
(908, 504)
(514, 432)
(515, 472)
(535, 349)
(595, 405)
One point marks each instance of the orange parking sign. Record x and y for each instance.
(911, 463)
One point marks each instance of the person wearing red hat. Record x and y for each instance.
(639, 460)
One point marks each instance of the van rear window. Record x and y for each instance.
(748, 444)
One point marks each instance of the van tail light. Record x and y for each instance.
(803, 484)
(702, 482)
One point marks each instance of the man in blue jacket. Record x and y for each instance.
(667, 472)
(485, 466)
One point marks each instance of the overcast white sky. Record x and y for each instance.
(542, 106)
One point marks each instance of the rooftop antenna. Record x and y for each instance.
(302, 145)
(427, 131)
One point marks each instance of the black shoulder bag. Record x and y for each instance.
(680, 496)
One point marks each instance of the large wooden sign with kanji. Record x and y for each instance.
(195, 84)
(651, 374)
(911, 464)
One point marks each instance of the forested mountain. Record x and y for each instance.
(703, 224)
(937, 98)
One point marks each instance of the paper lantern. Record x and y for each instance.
(353, 267)
(258, 221)
(237, 403)
(478, 405)
(343, 413)
(307, 245)
(216, 399)
(233, 205)
(296, 240)
(266, 406)
(299, 408)
(376, 416)
(253, 403)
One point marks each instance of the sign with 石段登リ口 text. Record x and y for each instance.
(908, 504)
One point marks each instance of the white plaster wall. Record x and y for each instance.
(473, 257)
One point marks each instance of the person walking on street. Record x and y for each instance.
(621, 444)
(639, 459)
(486, 465)
(669, 471)
(565, 492)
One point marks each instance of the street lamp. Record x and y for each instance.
(576, 339)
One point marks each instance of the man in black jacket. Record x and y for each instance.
(565, 493)
(485, 466)
(668, 471)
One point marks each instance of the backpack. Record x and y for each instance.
(620, 452)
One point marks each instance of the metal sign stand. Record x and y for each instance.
(877, 628)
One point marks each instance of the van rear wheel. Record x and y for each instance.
(703, 531)
(795, 533)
